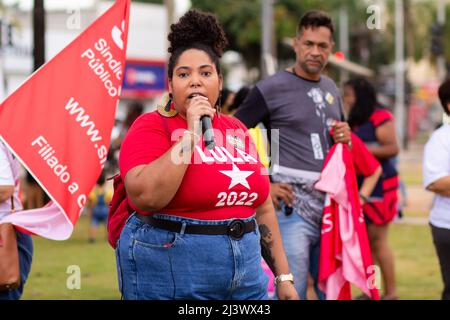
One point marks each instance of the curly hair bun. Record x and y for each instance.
(197, 27)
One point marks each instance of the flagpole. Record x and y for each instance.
(39, 33)
(400, 73)
(268, 60)
(2, 62)
(2, 72)
(441, 63)
(38, 61)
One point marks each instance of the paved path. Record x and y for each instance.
(416, 221)
(418, 202)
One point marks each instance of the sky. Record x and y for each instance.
(181, 5)
(51, 4)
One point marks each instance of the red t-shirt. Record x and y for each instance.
(380, 116)
(226, 182)
(364, 161)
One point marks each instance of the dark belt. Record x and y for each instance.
(235, 229)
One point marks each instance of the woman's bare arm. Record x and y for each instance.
(387, 142)
(151, 187)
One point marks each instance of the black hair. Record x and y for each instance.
(365, 102)
(239, 98)
(224, 94)
(315, 19)
(444, 95)
(196, 30)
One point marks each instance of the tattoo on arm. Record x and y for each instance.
(266, 246)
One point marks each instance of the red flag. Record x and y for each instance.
(345, 255)
(59, 122)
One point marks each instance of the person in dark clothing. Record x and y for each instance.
(375, 125)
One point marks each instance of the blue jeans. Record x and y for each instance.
(156, 264)
(301, 241)
(25, 245)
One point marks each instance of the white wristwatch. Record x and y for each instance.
(284, 277)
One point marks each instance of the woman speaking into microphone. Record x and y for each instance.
(203, 217)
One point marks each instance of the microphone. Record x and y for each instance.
(208, 134)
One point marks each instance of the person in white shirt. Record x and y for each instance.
(9, 191)
(436, 177)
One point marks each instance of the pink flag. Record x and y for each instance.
(59, 122)
(345, 255)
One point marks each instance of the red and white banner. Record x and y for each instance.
(345, 255)
(59, 122)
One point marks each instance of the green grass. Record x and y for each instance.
(417, 267)
(417, 270)
(48, 277)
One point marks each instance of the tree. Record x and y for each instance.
(241, 21)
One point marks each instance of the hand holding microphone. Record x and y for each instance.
(201, 112)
